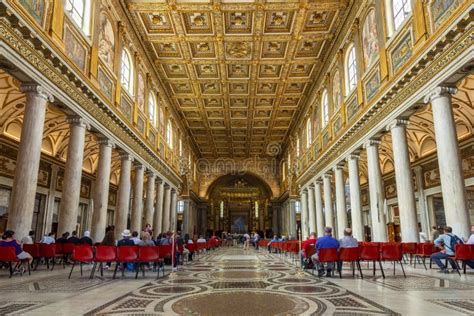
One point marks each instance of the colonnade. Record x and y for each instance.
(160, 203)
(451, 176)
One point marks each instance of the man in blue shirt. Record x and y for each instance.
(444, 241)
(325, 242)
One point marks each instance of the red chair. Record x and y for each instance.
(33, 250)
(328, 255)
(370, 252)
(8, 255)
(409, 248)
(350, 255)
(423, 251)
(464, 253)
(125, 254)
(392, 252)
(48, 252)
(103, 254)
(81, 254)
(147, 254)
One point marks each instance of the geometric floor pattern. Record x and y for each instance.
(228, 283)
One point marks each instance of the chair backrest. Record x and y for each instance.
(59, 248)
(47, 250)
(349, 254)
(427, 249)
(8, 254)
(127, 253)
(191, 247)
(82, 253)
(327, 255)
(200, 245)
(310, 250)
(370, 251)
(464, 252)
(409, 247)
(294, 247)
(105, 253)
(165, 251)
(392, 251)
(148, 253)
(68, 248)
(32, 249)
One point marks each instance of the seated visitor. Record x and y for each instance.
(188, 241)
(10, 241)
(165, 239)
(135, 238)
(146, 239)
(348, 241)
(256, 239)
(109, 240)
(148, 229)
(446, 242)
(74, 239)
(86, 239)
(63, 238)
(325, 242)
(269, 245)
(126, 241)
(28, 240)
(48, 239)
(201, 239)
(305, 244)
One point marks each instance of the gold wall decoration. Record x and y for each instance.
(37, 9)
(372, 83)
(105, 83)
(76, 51)
(402, 51)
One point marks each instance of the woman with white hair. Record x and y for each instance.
(86, 239)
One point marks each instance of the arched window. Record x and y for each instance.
(325, 108)
(152, 109)
(80, 13)
(283, 171)
(298, 147)
(180, 147)
(401, 10)
(126, 71)
(351, 70)
(309, 133)
(169, 134)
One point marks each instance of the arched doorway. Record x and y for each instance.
(239, 204)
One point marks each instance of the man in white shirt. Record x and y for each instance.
(28, 240)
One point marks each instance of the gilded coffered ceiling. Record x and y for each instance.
(237, 71)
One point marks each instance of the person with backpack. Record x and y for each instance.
(447, 242)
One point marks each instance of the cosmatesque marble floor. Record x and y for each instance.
(231, 281)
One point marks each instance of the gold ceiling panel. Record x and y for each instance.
(237, 71)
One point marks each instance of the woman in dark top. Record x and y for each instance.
(10, 241)
(109, 239)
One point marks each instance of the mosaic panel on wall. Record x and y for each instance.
(73, 48)
(36, 8)
(106, 49)
(372, 84)
(105, 83)
(369, 39)
(440, 10)
(402, 51)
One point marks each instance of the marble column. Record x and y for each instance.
(376, 192)
(422, 205)
(174, 196)
(328, 210)
(101, 190)
(304, 214)
(150, 197)
(20, 213)
(275, 218)
(123, 195)
(356, 204)
(340, 201)
(69, 206)
(137, 205)
(166, 209)
(449, 161)
(158, 218)
(318, 199)
(311, 210)
(49, 212)
(404, 181)
(291, 220)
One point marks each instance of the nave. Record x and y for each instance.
(231, 281)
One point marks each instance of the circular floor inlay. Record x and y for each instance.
(305, 289)
(184, 281)
(240, 303)
(171, 289)
(238, 274)
(294, 280)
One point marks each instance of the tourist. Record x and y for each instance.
(48, 239)
(109, 240)
(28, 240)
(74, 239)
(188, 241)
(256, 239)
(146, 239)
(435, 232)
(246, 241)
(325, 242)
(148, 229)
(470, 241)
(63, 238)
(135, 238)
(126, 241)
(165, 239)
(86, 239)
(308, 242)
(10, 241)
(158, 239)
(446, 242)
(269, 245)
(201, 239)
(348, 241)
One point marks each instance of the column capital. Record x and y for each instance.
(353, 156)
(372, 142)
(139, 166)
(78, 121)
(160, 181)
(167, 186)
(397, 123)
(318, 181)
(328, 175)
(439, 92)
(418, 168)
(126, 156)
(150, 173)
(339, 166)
(34, 88)
(105, 141)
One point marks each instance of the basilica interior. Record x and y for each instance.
(276, 118)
